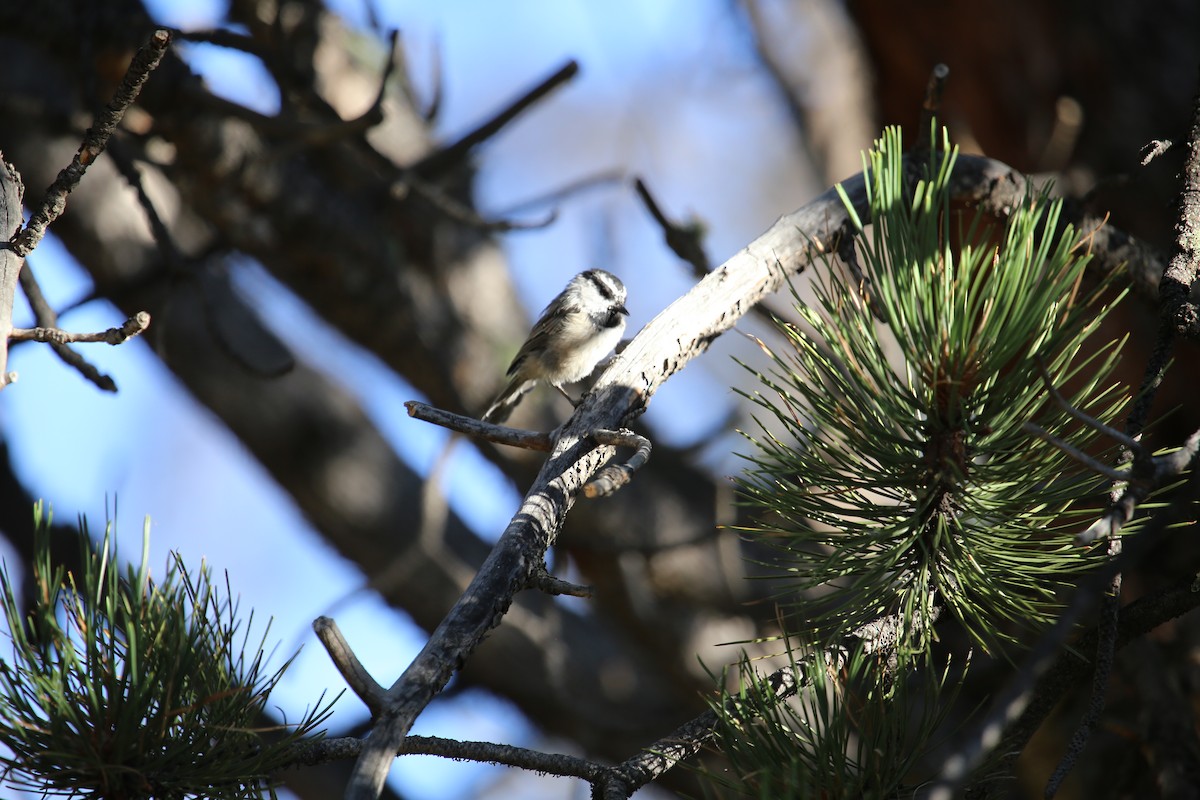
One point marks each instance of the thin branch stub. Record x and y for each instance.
(500, 434)
(353, 672)
(543, 581)
(132, 327)
(613, 476)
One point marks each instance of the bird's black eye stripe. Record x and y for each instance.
(601, 285)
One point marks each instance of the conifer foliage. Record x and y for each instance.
(896, 475)
(893, 469)
(123, 686)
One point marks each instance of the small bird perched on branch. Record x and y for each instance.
(579, 327)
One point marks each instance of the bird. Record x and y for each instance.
(577, 329)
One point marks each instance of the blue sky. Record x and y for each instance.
(668, 91)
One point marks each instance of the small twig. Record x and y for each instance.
(114, 336)
(935, 87)
(1114, 250)
(438, 92)
(94, 142)
(1112, 473)
(374, 21)
(1156, 369)
(347, 663)
(613, 476)
(543, 581)
(400, 56)
(404, 77)
(1134, 485)
(1174, 463)
(608, 480)
(1124, 499)
(1078, 415)
(46, 318)
(221, 37)
(1121, 509)
(1064, 135)
(453, 154)
(848, 254)
(500, 434)
(685, 241)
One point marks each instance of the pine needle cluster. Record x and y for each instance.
(121, 686)
(898, 478)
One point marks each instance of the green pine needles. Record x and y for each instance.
(892, 471)
(846, 735)
(120, 686)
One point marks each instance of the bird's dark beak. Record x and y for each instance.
(623, 310)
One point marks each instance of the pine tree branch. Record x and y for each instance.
(327, 750)
(1064, 674)
(680, 333)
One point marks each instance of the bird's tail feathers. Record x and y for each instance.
(507, 400)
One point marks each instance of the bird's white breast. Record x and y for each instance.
(580, 348)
